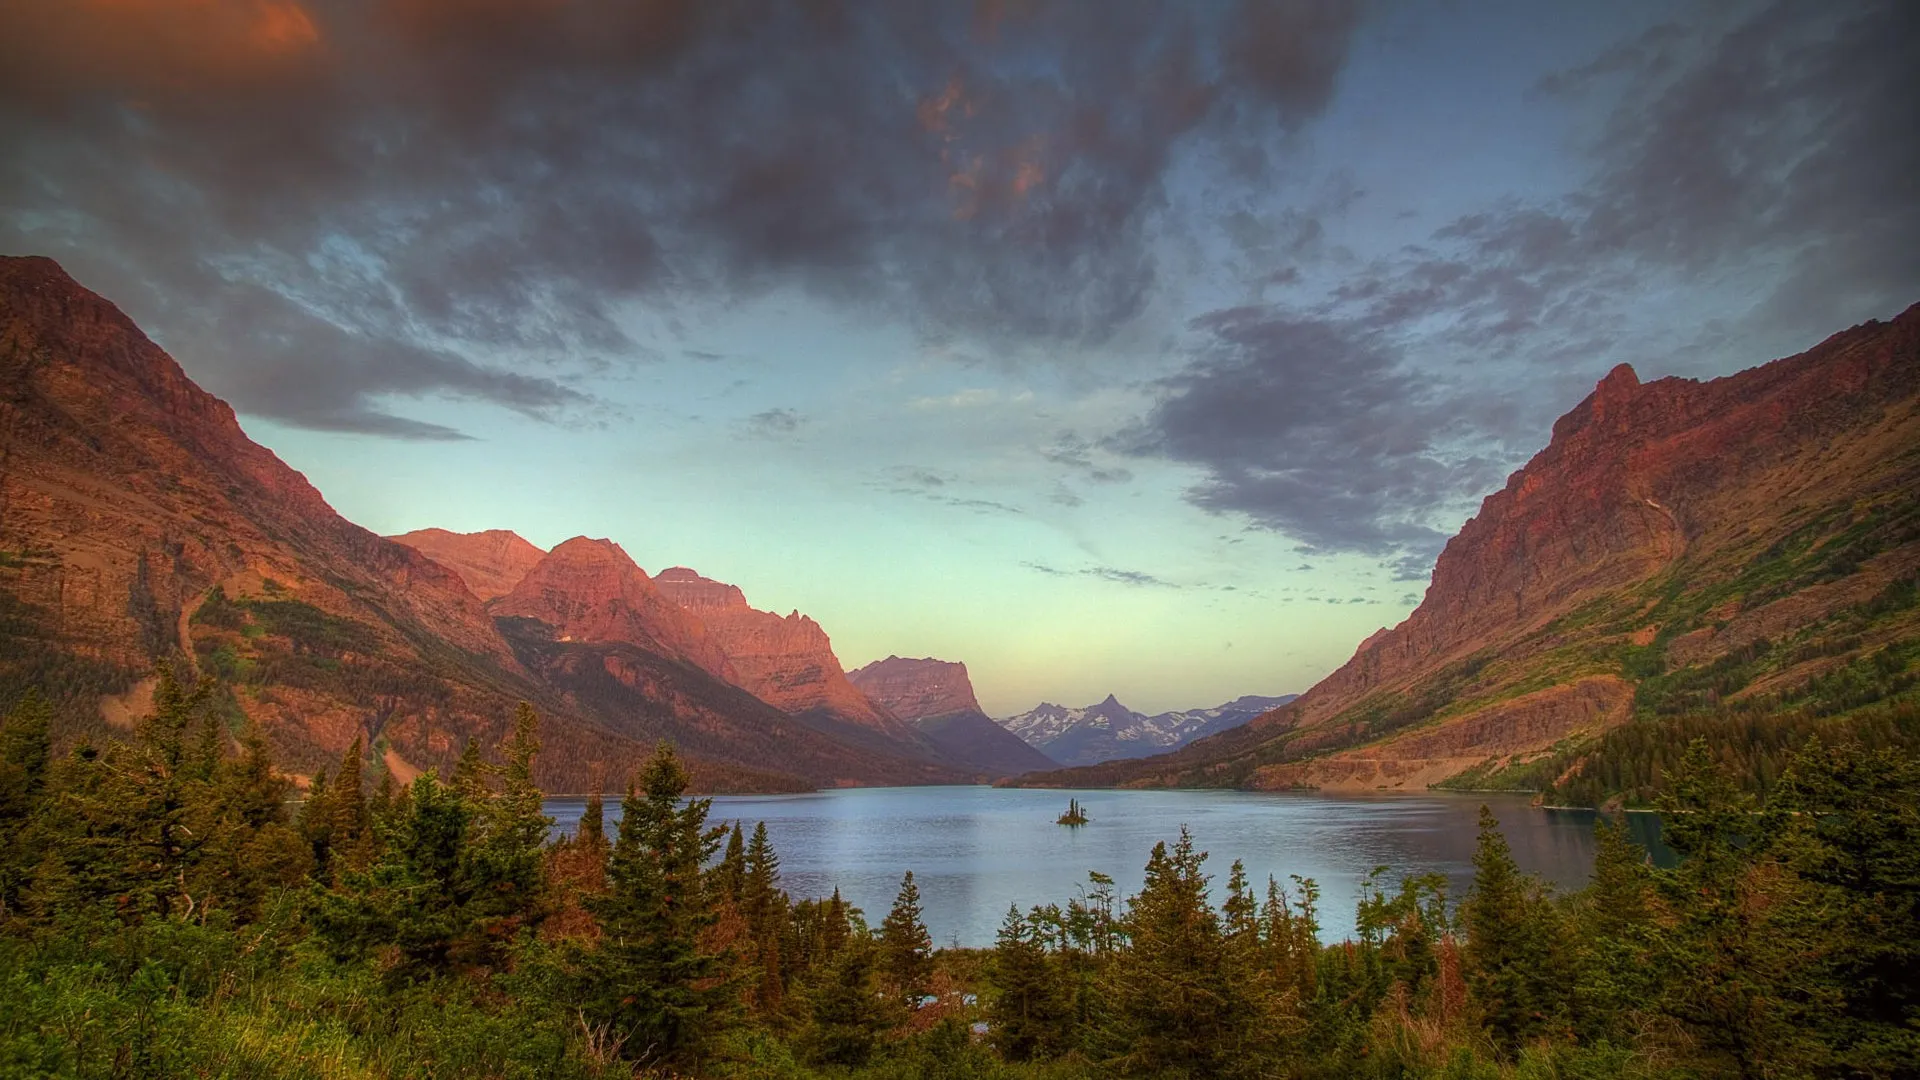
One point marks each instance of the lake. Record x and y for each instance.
(975, 850)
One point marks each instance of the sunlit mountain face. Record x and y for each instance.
(1138, 349)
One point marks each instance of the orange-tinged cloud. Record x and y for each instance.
(267, 26)
(932, 112)
(152, 49)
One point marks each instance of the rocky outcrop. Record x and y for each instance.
(491, 562)
(914, 689)
(786, 662)
(591, 591)
(936, 698)
(1675, 521)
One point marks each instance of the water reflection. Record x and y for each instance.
(975, 850)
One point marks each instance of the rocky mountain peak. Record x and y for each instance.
(786, 661)
(913, 689)
(491, 562)
(690, 590)
(591, 590)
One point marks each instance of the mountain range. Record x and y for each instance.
(1680, 549)
(138, 522)
(1733, 551)
(1109, 731)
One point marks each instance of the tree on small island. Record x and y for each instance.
(1075, 816)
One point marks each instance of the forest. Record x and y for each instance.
(168, 909)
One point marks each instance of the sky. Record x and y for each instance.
(1140, 348)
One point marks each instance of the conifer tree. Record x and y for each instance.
(764, 906)
(592, 832)
(1507, 958)
(505, 867)
(471, 771)
(1735, 951)
(648, 981)
(415, 897)
(1847, 819)
(906, 948)
(156, 802)
(730, 875)
(315, 826)
(845, 1013)
(1174, 1001)
(1615, 976)
(350, 841)
(259, 850)
(25, 747)
(1026, 1016)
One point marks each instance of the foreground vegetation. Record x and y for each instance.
(162, 913)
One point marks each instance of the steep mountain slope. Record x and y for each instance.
(1744, 543)
(786, 662)
(490, 562)
(127, 493)
(1110, 731)
(138, 522)
(936, 697)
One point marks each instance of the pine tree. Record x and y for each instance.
(1615, 977)
(415, 897)
(906, 949)
(1026, 1016)
(350, 840)
(648, 981)
(259, 849)
(1174, 1000)
(25, 748)
(845, 1014)
(1847, 819)
(1508, 960)
(592, 832)
(506, 869)
(315, 826)
(764, 906)
(471, 771)
(730, 875)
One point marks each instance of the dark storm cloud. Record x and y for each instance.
(498, 178)
(1783, 141)
(1309, 428)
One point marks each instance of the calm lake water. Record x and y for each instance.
(974, 850)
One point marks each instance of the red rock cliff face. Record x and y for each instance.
(131, 491)
(590, 590)
(786, 662)
(1636, 477)
(490, 562)
(914, 689)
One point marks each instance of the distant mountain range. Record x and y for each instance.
(1110, 731)
(1683, 557)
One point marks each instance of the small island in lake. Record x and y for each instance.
(1075, 816)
